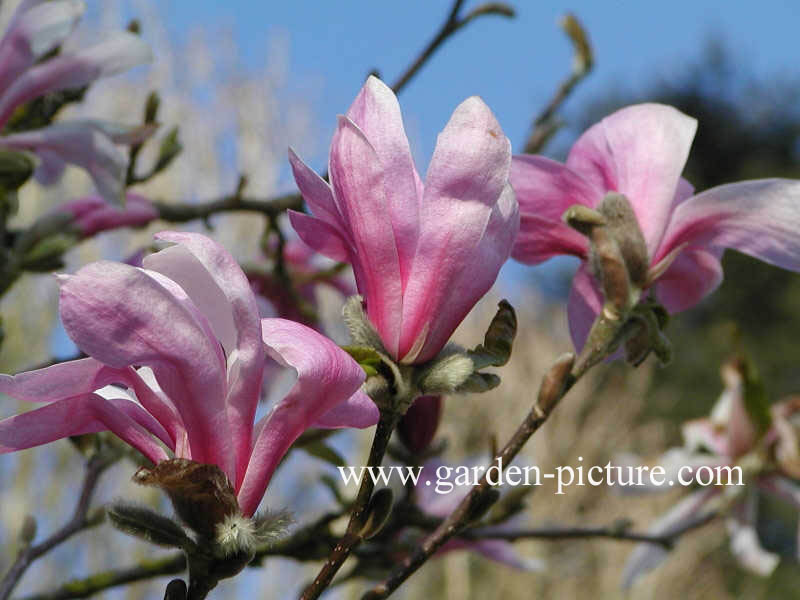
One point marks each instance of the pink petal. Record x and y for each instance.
(79, 415)
(360, 191)
(320, 235)
(118, 53)
(745, 545)
(646, 557)
(376, 112)
(545, 189)
(499, 551)
(316, 193)
(124, 316)
(639, 151)
(217, 275)
(468, 221)
(33, 32)
(93, 214)
(326, 377)
(50, 168)
(760, 218)
(82, 144)
(695, 273)
(358, 411)
(584, 304)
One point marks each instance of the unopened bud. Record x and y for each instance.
(447, 372)
(418, 426)
(144, 523)
(151, 107)
(554, 382)
(176, 590)
(27, 532)
(380, 508)
(170, 148)
(15, 169)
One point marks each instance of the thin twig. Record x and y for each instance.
(544, 125)
(448, 28)
(351, 538)
(78, 522)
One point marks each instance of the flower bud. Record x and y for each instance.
(15, 169)
(418, 426)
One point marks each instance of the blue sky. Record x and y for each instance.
(513, 64)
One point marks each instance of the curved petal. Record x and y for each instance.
(545, 189)
(357, 411)
(694, 274)
(316, 192)
(35, 32)
(56, 381)
(50, 168)
(124, 316)
(376, 112)
(469, 219)
(234, 311)
(320, 235)
(78, 415)
(326, 377)
(584, 304)
(82, 144)
(118, 53)
(497, 550)
(760, 218)
(93, 214)
(639, 151)
(358, 186)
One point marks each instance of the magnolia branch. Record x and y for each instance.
(79, 521)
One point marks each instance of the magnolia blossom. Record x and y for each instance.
(640, 151)
(176, 352)
(422, 253)
(729, 438)
(36, 28)
(438, 504)
(92, 214)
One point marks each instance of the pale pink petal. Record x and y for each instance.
(760, 218)
(50, 168)
(745, 545)
(75, 416)
(124, 316)
(646, 557)
(468, 221)
(246, 356)
(584, 304)
(316, 193)
(639, 151)
(93, 214)
(695, 273)
(118, 53)
(545, 189)
(33, 32)
(360, 192)
(326, 377)
(376, 112)
(320, 235)
(703, 434)
(357, 411)
(82, 144)
(497, 550)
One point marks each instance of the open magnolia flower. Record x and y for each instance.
(36, 28)
(767, 453)
(640, 151)
(176, 356)
(423, 253)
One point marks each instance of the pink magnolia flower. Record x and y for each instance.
(36, 28)
(422, 253)
(640, 151)
(93, 214)
(727, 438)
(176, 354)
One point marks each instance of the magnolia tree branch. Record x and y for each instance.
(556, 383)
(79, 522)
(545, 124)
(453, 23)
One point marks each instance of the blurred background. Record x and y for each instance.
(244, 80)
